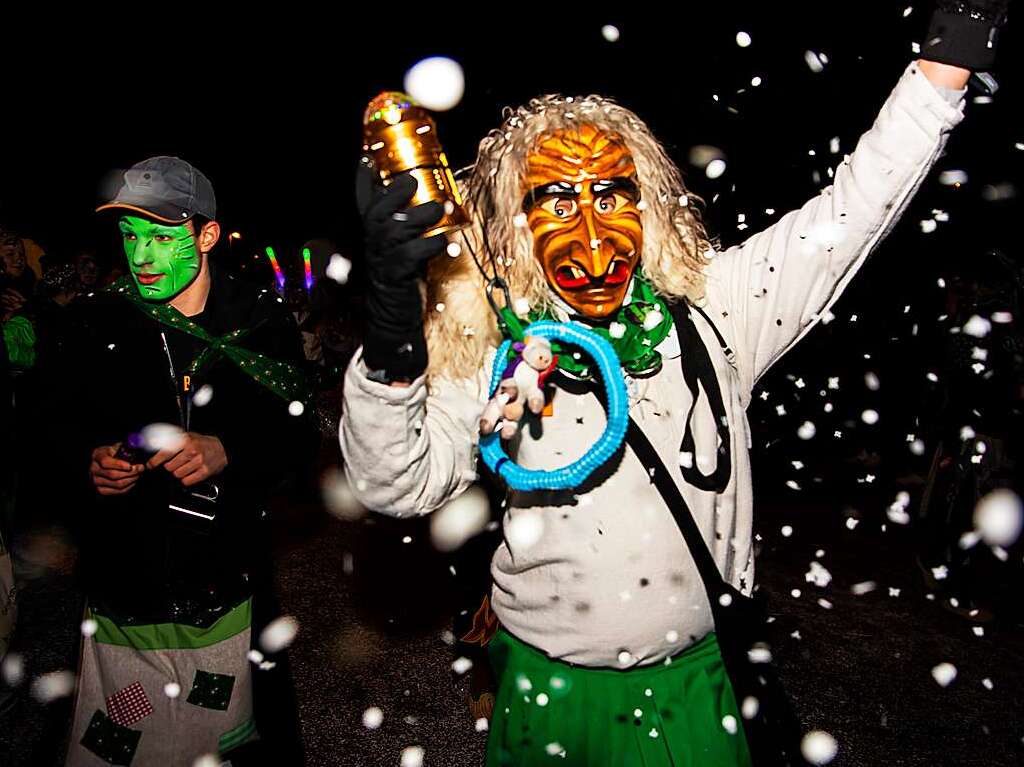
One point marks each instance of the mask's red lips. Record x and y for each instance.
(145, 278)
(572, 277)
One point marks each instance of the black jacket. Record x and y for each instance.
(140, 560)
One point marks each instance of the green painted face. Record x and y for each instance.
(163, 258)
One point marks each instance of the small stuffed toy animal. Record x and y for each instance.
(521, 387)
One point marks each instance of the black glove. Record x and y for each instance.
(964, 33)
(396, 253)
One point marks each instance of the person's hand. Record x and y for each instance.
(195, 458)
(111, 475)
(396, 253)
(11, 301)
(964, 34)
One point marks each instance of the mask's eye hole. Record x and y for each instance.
(609, 203)
(563, 207)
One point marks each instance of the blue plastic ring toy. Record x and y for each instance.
(574, 474)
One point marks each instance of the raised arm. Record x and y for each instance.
(770, 290)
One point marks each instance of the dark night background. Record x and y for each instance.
(268, 103)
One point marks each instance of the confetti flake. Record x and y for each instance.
(944, 674)
(999, 517)
(862, 588)
(819, 747)
(743, 39)
(339, 268)
(729, 724)
(806, 431)
(279, 634)
(851, 523)
(373, 717)
(412, 756)
(818, 575)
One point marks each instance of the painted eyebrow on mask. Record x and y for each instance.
(554, 189)
(616, 184)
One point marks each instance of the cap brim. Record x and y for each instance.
(143, 211)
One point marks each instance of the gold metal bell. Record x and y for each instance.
(400, 136)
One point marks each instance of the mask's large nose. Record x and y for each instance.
(141, 253)
(601, 253)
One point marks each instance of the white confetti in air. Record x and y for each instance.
(715, 168)
(862, 588)
(436, 82)
(978, 631)
(610, 32)
(652, 320)
(453, 249)
(818, 747)
(162, 436)
(279, 634)
(207, 760)
(940, 573)
(461, 665)
(870, 417)
(338, 496)
(818, 575)
(686, 459)
(894, 592)
(203, 396)
(951, 177)
(759, 654)
(978, 327)
(524, 530)
(824, 604)
(806, 430)
(987, 683)
(616, 330)
(172, 690)
(519, 221)
(729, 724)
(460, 519)
(89, 627)
(928, 225)
(787, 531)
(750, 707)
(521, 306)
(724, 600)
(481, 724)
(296, 408)
(792, 484)
(554, 749)
(897, 512)
(625, 658)
(917, 447)
(814, 61)
(412, 756)
(338, 268)
(13, 669)
(755, 81)
(999, 517)
(743, 39)
(373, 718)
(871, 381)
(795, 593)
(54, 685)
(255, 656)
(944, 674)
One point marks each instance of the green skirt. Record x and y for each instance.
(667, 715)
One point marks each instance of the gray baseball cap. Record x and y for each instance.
(167, 189)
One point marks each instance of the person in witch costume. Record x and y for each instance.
(606, 651)
(184, 378)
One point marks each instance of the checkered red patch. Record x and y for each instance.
(129, 705)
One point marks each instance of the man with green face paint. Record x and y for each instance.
(172, 528)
